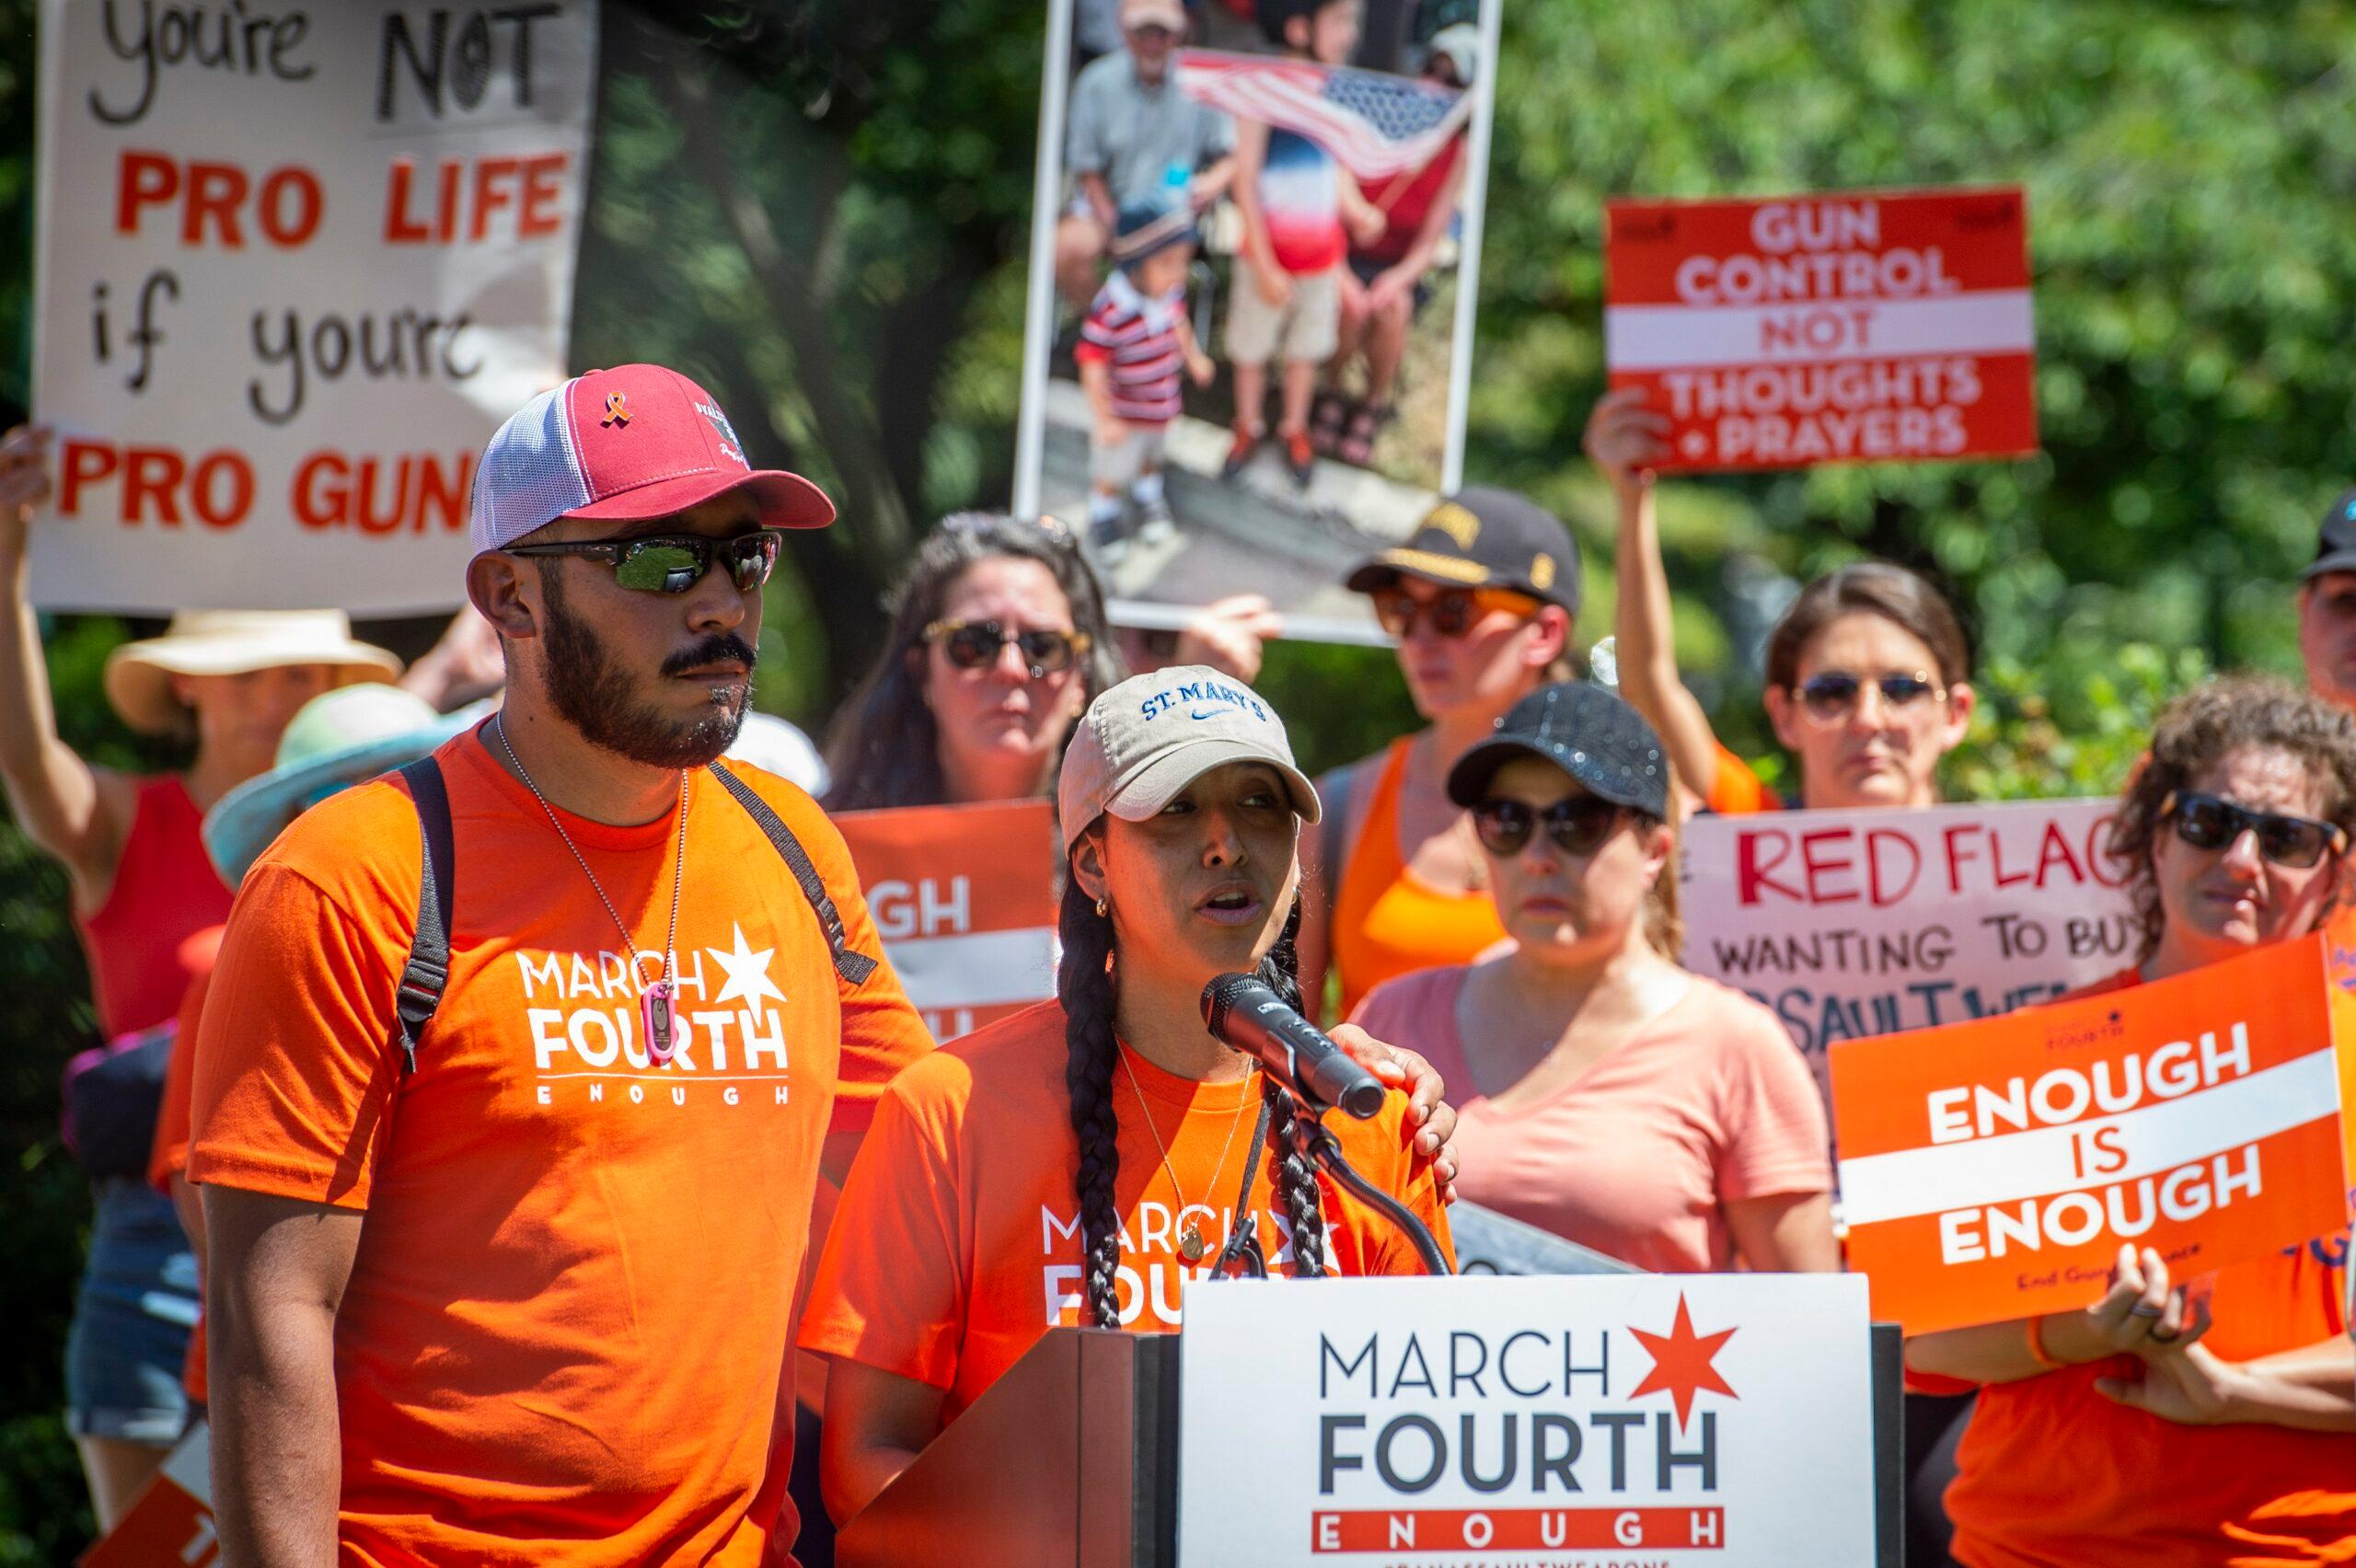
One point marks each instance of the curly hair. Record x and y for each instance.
(884, 748)
(1084, 984)
(2201, 729)
(1875, 587)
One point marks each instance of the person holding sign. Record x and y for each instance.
(1096, 1151)
(1609, 1095)
(1482, 599)
(2125, 1433)
(141, 887)
(1868, 674)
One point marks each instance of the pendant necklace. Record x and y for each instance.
(658, 1004)
(1192, 1244)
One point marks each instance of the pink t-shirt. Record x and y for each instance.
(1709, 1101)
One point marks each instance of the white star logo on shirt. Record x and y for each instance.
(748, 972)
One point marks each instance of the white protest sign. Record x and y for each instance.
(1858, 923)
(293, 265)
(1542, 1423)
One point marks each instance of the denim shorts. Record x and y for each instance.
(132, 1318)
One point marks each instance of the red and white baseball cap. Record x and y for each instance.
(627, 443)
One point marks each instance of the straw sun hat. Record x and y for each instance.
(233, 642)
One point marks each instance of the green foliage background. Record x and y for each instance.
(820, 209)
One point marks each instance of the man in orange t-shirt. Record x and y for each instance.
(560, 1333)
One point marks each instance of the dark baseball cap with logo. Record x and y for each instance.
(1589, 733)
(2335, 543)
(1484, 538)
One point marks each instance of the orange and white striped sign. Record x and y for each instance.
(171, 1522)
(964, 899)
(1862, 325)
(1991, 1170)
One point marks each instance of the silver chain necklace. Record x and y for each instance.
(658, 1004)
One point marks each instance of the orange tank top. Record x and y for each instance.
(1388, 922)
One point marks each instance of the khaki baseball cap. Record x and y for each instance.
(1143, 741)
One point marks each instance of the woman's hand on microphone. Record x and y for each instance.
(1432, 1117)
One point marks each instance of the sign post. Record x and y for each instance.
(291, 272)
(1826, 328)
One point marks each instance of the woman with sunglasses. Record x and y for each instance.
(2124, 1434)
(999, 640)
(1868, 675)
(1482, 600)
(1096, 1151)
(1603, 1093)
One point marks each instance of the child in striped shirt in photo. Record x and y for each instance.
(1132, 347)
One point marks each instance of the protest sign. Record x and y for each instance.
(1544, 1423)
(169, 1524)
(1826, 328)
(1121, 430)
(292, 270)
(1992, 1170)
(964, 900)
(1867, 922)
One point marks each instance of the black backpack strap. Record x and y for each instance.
(428, 969)
(854, 967)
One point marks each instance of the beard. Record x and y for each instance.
(594, 694)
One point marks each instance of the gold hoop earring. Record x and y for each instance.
(1101, 909)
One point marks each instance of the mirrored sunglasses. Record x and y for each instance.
(673, 563)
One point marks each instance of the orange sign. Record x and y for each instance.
(170, 1522)
(1857, 327)
(1991, 1170)
(964, 899)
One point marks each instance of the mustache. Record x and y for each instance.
(719, 647)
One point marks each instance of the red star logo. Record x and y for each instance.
(1681, 1362)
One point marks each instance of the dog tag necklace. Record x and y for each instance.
(658, 1004)
(1192, 1243)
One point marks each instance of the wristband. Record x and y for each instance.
(2037, 1350)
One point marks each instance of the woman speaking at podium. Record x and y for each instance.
(1076, 1163)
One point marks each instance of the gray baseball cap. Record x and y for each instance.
(1144, 740)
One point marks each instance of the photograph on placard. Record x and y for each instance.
(1252, 290)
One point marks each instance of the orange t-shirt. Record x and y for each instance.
(168, 1156)
(1387, 921)
(2051, 1474)
(956, 1245)
(565, 1328)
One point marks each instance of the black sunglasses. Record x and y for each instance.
(973, 645)
(1578, 824)
(2208, 821)
(1833, 694)
(673, 563)
(1452, 610)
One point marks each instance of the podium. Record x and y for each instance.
(1070, 1460)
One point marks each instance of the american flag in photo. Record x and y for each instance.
(1374, 124)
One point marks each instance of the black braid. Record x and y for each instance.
(1085, 988)
(1294, 1178)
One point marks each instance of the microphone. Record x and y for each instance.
(1245, 1014)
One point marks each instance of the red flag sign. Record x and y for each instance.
(1858, 328)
